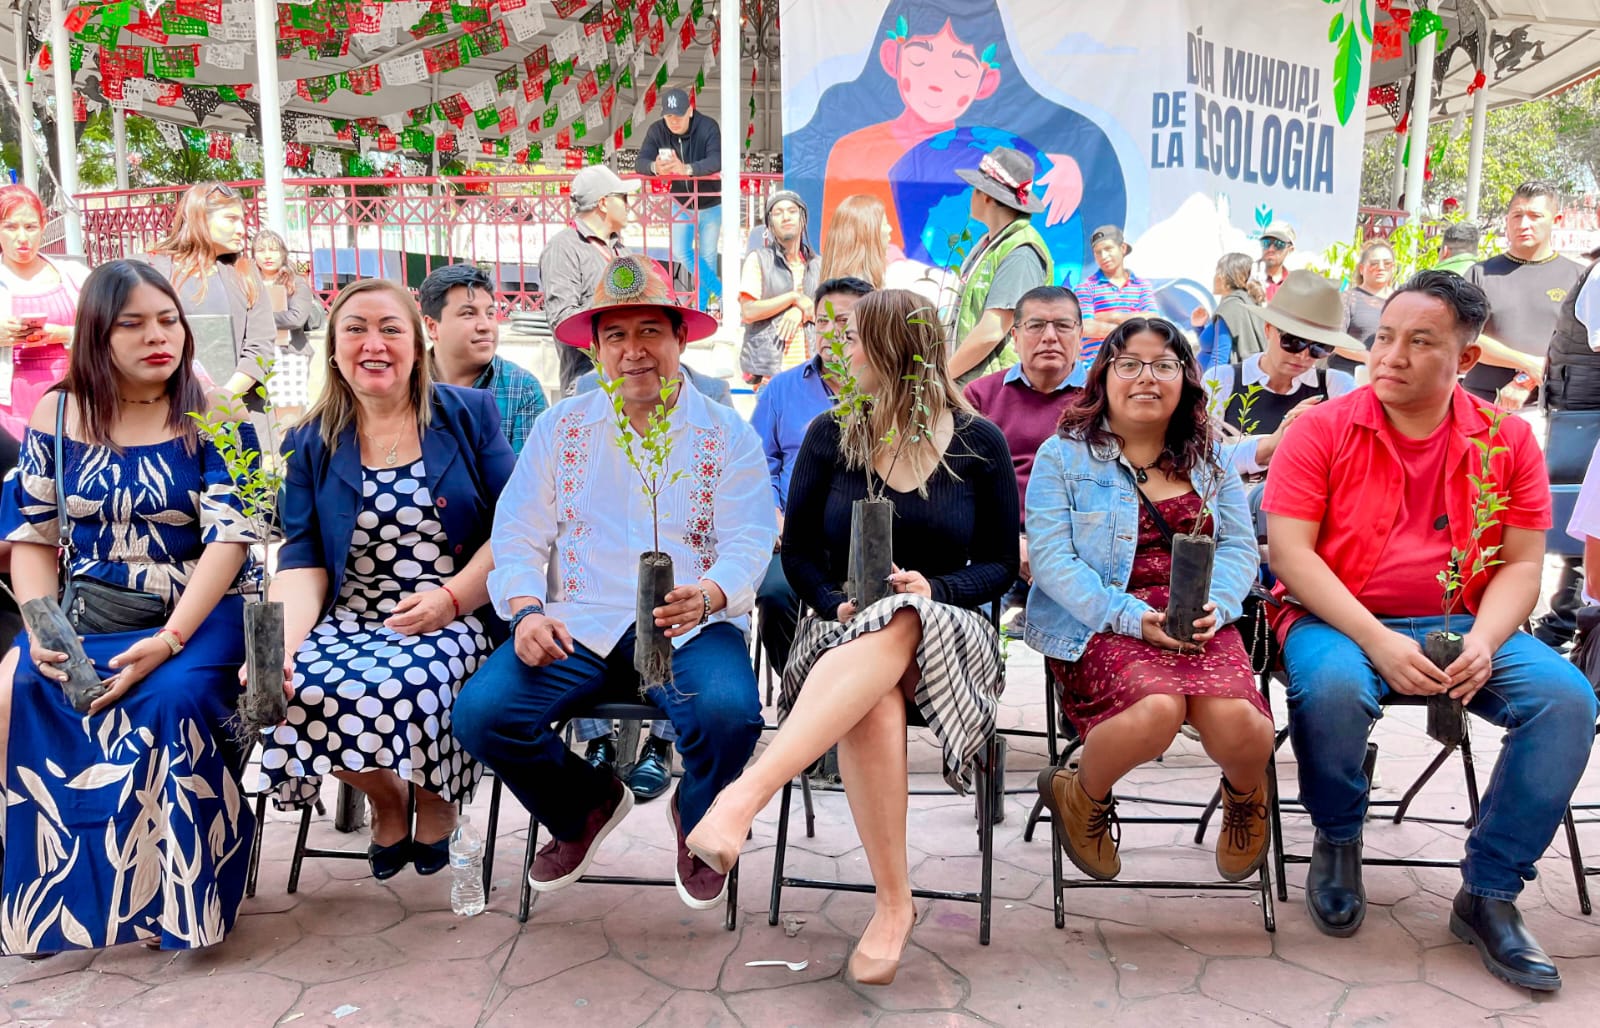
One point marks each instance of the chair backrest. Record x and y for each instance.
(1570, 445)
(1563, 498)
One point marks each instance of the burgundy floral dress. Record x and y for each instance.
(1116, 671)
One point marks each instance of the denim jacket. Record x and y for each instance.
(1083, 527)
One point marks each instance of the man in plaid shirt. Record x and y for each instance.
(458, 309)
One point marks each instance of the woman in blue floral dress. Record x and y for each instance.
(126, 823)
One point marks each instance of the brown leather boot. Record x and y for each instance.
(1086, 828)
(1242, 840)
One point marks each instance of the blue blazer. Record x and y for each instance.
(467, 462)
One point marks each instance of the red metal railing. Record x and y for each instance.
(403, 228)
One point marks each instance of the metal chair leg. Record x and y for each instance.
(1469, 770)
(730, 914)
(255, 846)
(493, 831)
(526, 903)
(1580, 877)
(299, 850)
(805, 799)
(995, 759)
(778, 854)
(1422, 780)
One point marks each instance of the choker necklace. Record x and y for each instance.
(1141, 472)
(143, 403)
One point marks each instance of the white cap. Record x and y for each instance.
(595, 183)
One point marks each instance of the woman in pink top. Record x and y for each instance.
(38, 303)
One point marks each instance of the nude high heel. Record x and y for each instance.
(719, 854)
(865, 970)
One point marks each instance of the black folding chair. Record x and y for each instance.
(640, 711)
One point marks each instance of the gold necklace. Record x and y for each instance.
(392, 456)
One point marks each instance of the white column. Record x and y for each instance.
(729, 116)
(119, 140)
(1397, 182)
(1421, 105)
(1480, 118)
(66, 132)
(30, 159)
(276, 216)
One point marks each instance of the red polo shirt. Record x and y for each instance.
(1340, 466)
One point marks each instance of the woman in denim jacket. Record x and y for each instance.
(1134, 462)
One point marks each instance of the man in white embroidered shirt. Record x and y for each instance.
(567, 534)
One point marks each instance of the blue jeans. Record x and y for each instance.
(507, 715)
(697, 242)
(1544, 702)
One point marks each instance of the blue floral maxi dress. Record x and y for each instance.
(128, 824)
(365, 696)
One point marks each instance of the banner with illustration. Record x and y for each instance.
(1192, 123)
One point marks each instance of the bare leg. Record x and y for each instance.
(845, 685)
(8, 672)
(872, 761)
(436, 816)
(387, 794)
(1236, 736)
(1121, 743)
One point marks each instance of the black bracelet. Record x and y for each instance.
(526, 611)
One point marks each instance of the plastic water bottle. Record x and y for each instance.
(466, 869)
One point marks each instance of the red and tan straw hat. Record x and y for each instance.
(630, 283)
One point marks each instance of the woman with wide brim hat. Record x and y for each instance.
(1302, 328)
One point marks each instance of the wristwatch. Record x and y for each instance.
(530, 609)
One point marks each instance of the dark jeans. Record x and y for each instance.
(1557, 626)
(1545, 702)
(779, 608)
(506, 715)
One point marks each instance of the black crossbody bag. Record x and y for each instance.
(95, 607)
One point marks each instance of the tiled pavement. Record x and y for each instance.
(350, 952)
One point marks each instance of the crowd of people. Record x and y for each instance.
(458, 557)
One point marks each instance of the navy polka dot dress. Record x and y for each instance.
(366, 697)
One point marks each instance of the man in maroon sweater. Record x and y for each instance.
(1025, 400)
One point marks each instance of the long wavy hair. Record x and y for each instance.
(1234, 270)
(188, 240)
(853, 247)
(1189, 432)
(336, 407)
(92, 379)
(271, 240)
(894, 327)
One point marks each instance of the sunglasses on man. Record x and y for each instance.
(1294, 344)
(1274, 244)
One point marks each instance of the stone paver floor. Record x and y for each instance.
(347, 951)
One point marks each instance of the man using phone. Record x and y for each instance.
(685, 147)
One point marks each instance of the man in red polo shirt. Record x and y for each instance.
(1367, 496)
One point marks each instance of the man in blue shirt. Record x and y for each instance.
(785, 408)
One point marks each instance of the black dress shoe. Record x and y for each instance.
(1508, 949)
(1335, 896)
(429, 858)
(602, 753)
(653, 773)
(388, 861)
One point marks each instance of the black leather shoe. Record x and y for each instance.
(602, 753)
(388, 861)
(1335, 896)
(429, 858)
(1508, 949)
(653, 773)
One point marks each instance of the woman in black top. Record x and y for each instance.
(852, 674)
(1363, 304)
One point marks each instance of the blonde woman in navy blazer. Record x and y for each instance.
(391, 487)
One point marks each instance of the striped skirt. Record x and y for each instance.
(961, 672)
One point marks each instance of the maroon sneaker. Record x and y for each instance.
(559, 864)
(699, 885)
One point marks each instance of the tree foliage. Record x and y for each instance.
(1556, 139)
(151, 162)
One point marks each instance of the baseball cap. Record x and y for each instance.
(1111, 232)
(595, 183)
(1280, 230)
(675, 102)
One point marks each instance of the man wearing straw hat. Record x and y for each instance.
(1006, 261)
(567, 535)
(1302, 327)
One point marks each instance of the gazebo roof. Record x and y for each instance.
(1540, 47)
(567, 71)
